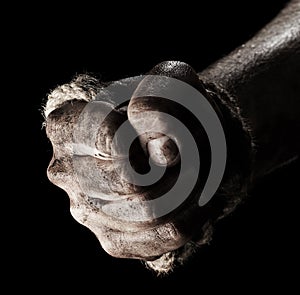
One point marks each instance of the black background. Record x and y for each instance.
(253, 249)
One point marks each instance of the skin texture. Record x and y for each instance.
(147, 240)
(262, 76)
(255, 93)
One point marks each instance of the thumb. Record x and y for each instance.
(147, 114)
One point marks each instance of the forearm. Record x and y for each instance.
(261, 80)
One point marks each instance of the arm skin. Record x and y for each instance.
(263, 78)
(255, 91)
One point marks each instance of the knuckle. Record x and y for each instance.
(60, 173)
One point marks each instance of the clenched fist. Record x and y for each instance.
(150, 174)
(93, 163)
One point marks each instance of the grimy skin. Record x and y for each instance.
(255, 91)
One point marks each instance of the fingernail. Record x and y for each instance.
(163, 151)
